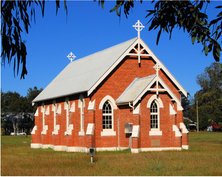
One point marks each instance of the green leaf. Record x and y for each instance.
(218, 7)
(215, 20)
(206, 50)
(193, 39)
(57, 6)
(158, 36)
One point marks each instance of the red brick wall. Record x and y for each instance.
(114, 85)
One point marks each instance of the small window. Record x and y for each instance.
(107, 116)
(154, 115)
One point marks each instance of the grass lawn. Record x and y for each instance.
(204, 158)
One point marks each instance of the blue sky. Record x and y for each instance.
(88, 29)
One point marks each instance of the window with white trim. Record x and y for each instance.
(107, 116)
(154, 115)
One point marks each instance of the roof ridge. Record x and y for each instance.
(103, 50)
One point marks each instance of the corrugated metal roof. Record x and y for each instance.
(80, 75)
(135, 89)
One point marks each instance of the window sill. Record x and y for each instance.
(155, 133)
(82, 133)
(107, 132)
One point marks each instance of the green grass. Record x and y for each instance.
(204, 158)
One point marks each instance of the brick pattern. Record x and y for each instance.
(114, 85)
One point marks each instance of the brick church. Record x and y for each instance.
(121, 97)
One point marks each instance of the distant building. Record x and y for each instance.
(114, 99)
(192, 126)
(23, 122)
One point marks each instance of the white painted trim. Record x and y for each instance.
(145, 90)
(172, 111)
(160, 149)
(184, 128)
(46, 146)
(69, 131)
(66, 107)
(58, 111)
(72, 109)
(79, 101)
(56, 130)
(90, 129)
(154, 97)
(54, 105)
(76, 149)
(110, 148)
(112, 67)
(185, 147)
(37, 112)
(45, 128)
(81, 105)
(163, 67)
(59, 148)
(54, 116)
(91, 105)
(112, 101)
(136, 110)
(108, 132)
(150, 53)
(135, 131)
(47, 111)
(155, 132)
(81, 133)
(135, 150)
(34, 129)
(179, 107)
(36, 145)
(43, 107)
(177, 131)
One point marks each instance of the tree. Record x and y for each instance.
(17, 111)
(209, 106)
(186, 105)
(12, 14)
(166, 15)
(187, 15)
(31, 94)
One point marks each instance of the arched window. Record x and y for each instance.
(154, 115)
(107, 115)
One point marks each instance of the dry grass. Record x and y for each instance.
(204, 158)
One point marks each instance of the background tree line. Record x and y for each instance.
(17, 111)
(209, 98)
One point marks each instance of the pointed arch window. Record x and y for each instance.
(107, 106)
(107, 116)
(154, 115)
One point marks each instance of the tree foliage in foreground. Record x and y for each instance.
(14, 14)
(209, 104)
(187, 15)
(167, 15)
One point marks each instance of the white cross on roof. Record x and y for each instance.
(71, 57)
(157, 68)
(138, 26)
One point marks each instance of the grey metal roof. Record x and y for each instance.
(80, 75)
(135, 89)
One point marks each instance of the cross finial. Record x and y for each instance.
(157, 68)
(71, 56)
(138, 26)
